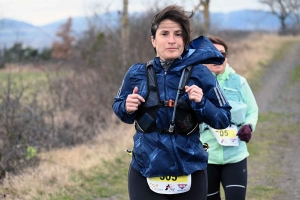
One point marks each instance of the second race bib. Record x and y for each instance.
(226, 137)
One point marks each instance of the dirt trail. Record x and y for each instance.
(279, 95)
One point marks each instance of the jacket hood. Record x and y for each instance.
(202, 51)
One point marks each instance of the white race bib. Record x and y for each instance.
(170, 184)
(226, 137)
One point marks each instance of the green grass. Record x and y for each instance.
(23, 78)
(19, 79)
(280, 53)
(295, 75)
(106, 181)
(264, 171)
(263, 192)
(265, 117)
(256, 76)
(27, 83)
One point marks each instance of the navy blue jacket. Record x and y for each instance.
(157, 154)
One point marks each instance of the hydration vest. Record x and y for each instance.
(185, 119)
(233, 94)
(232, 91)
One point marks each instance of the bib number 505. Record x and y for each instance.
(168, 178)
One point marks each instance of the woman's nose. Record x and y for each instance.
(172, 39)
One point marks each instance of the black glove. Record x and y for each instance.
(245, 133)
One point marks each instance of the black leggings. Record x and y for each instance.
(138, 188)
(233, 178)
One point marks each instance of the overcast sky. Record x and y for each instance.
(40, 12)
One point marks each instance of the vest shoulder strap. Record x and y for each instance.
(151, 78)
(187, 75)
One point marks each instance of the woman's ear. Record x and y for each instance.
(153, 41)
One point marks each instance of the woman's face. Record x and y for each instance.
(168, 40)
(219, 69)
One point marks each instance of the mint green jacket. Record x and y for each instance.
(241, 95)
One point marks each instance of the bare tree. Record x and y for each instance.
(125, 32)
(281, 9)
(203, 6)
(294, 6)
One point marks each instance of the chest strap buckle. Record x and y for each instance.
(169, 103)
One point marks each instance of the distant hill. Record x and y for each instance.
(250, 20)
(12, 31)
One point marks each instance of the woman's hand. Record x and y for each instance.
(245, 133)
(133, 101)
(195, 93)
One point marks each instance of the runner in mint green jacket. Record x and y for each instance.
(227, 160)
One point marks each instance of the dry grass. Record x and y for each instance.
(54, 171)
(58, 165)
(250, 55)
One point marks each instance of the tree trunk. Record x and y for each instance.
(206, 26)
(205, 11)
(125, 33)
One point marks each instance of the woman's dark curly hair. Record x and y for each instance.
(176, 14)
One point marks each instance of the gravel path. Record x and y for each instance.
(279, 95)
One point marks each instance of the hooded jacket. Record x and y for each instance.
(157, 154)
(242, 93)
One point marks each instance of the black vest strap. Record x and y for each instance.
(147, 112)
(166, 131)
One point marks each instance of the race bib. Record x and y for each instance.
(226, 137)
(170, 184)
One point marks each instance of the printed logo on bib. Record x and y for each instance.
(170, 184)
(226, 137)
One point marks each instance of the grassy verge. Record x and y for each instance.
(295, 75)
(261, 166)
(106, 181)
(256, 75)
(266, 148)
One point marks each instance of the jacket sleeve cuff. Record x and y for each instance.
(198, 105)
